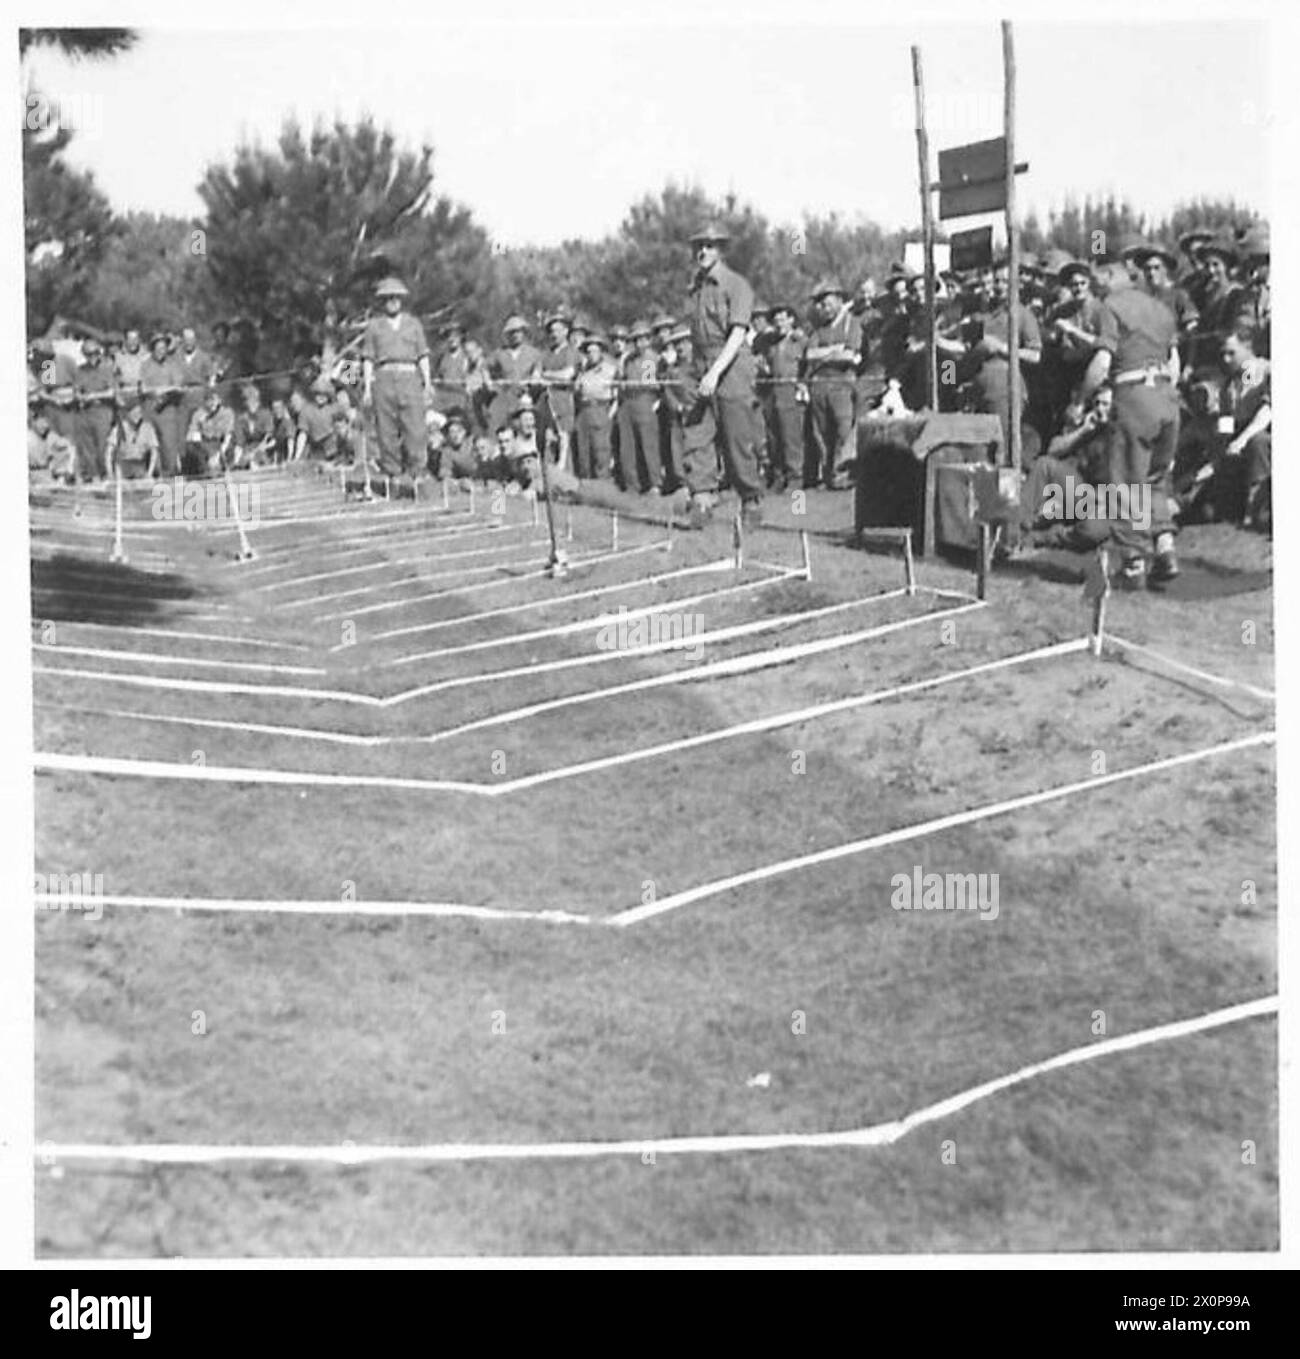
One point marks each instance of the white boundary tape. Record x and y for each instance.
(160, 658)
(873, 1135)
(540, 573)
(753, 727)
(129, 630)
(1267, 694)
(546, 602)
(733, 665)
(338, 549)
(940, 823)
(390, 562)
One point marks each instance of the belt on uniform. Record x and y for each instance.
(1148, 376)
(402, 364)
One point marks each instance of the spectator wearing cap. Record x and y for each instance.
(396, 379)
(315, 426)
(450, 388)
(594, 396)
(639, 443)
(160, 385)
(457, 459)
(560, 363)
(1158, 271)
(253, 429)
(210, 436)
(830, 361)
(678, 395)
(1220, 306)
(895, 324)
(1194, 277)
(512, 367)
(1256, 308)
(725, 419)
(132, 446)
(986, 360)
(95, 386)
(784, 358)
(1072, 327)
(478, 388)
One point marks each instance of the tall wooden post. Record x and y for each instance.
(927, 232)
(1013, 247)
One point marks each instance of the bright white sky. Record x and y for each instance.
(551, 132)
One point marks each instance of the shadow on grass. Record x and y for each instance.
(76, 589)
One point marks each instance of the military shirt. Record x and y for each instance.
(95, 383)
(594, 386)
(640, 376)
(1137, 330)
(127, 367)
(720, 300)
(385, 342)
(846, 330)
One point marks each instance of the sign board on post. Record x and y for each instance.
(972, 178)
(914, 256)
(972, 249)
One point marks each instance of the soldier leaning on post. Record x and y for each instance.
(396, 381)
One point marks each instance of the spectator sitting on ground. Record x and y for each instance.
(132, 446)
(49, 455)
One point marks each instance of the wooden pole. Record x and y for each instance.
(927, 232)
(982, 562)
(1013, 247)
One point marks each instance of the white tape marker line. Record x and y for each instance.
(755, 726)
(212, 686)
(589, 624)
(735, 665)
(546, 602)
(873, 1135)
(340, 551)
(579, 560)
(711, 889)
(156, 658)
(282, 587)
(221, 637)
(1266, 694)
(329, 907)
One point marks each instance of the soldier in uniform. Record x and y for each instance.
(453, 369)
(677, 399)
(197, 372)
(128, 361)
(1137, 354)
(1158, 268)
(785, 410)
(593, 394)
(132, 447)
(1247, 402)
(396, 380)
(1194, 278)
(513, 367)
(160, 385)
(721, 303)
(95, 386)
(560, 365)
(830, 361)
(1256, 309)
(637, 403)
(1220, 305)
(1072, 327)
(209, 438)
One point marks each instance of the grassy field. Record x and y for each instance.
(798, 1002)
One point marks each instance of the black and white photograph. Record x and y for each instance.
(651, 639)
